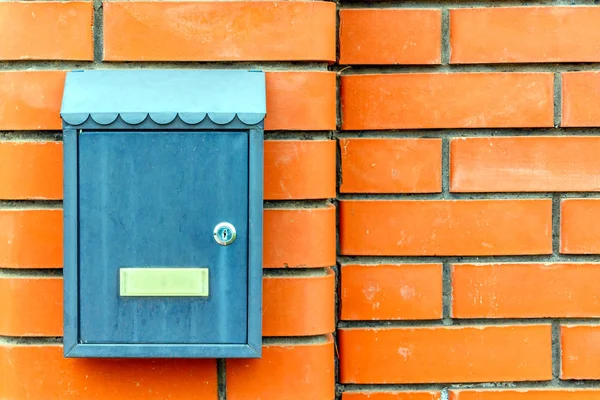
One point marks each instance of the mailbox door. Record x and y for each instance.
(151, 200)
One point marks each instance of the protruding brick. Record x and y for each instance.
(294, 169)
(295, 100)
(525, 164)
(445, 227)
(391, 165)
(524, 34)
(31, 306)
(390, 36)
(525, 394)
(31, 170)
(388, 292)
(292, 372)
(391, 396)
(31, 100)
(47, 30)
(442, 354)
(299, 169)
(292, 305)
(301, 100)
(581, 98)
(41, 372)
(219, 31)
(525, 290)
(579, 230)
(440, 100)
(580, 349)
(299, 237)
(31, 238)
(299, 305)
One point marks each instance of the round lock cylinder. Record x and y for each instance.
(224, 233)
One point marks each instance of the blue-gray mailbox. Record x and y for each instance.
(163, 213)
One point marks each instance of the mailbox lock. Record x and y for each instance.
(224, 233)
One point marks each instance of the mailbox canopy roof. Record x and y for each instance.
(193, 96)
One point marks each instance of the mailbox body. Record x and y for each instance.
(144, 275)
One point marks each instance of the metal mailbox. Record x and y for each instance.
(163, 213)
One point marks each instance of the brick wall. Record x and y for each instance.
(431, 180)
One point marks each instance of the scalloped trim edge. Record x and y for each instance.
(162, 118)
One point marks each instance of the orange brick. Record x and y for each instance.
(525, 164)
(442, 354)
(524, 34)
(298, 305)
(302, 238)
(525, 394)
(291, 372)
(458, 100)
(388, 36)
(580, 347)
(48, 30)
(219, 31)
(31, 170)
(31, 238)
(31, 99)
(292, 306)
(299, 238)
(525, 290)
(391, 396)
(444, 227)
(391, 165)
(31, 306)
(580, 99)
(301, 100)
(41, 372)
(579, 232)
(388, 292)
(299, 169)
(295, 100)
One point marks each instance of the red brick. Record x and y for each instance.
(580, 99)
(295, 100)
(525, 290)
(391, 396)
(388, 292)
(391, 165)
(580, 347)
(440, 100)
(442, 354)
(299, 305)
(292, 305)
(31, 170)
(31, 306)
(31, 238)
(579, 232)
(299, 169)
(301, 100)
(524, 34)
(390, 36)
(525, 394)
(31, 99)
(291, 372)
(48, 30)
(41, 372)
(525, 164)
(219, 31)
(299, 237)
(445, 227)
(303, 237)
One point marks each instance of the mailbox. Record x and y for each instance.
(163, 213)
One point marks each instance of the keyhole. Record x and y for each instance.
(224, 233)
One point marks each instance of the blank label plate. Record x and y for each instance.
(163, 282)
